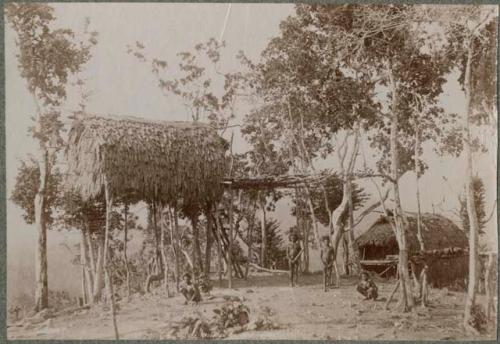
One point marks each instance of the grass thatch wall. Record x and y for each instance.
(172, 160)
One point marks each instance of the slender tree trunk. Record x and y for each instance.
(406, 294)
(125, 241)
(355, 266)
(196, 245)
(345, 255)
(471, 204)
(422, 286)
(109, 281)
(263, 228)
(41, 282)
(208, 247)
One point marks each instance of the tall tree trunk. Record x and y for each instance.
(406, 294)
(422, 286)
(471, 203)
(345, 255)
(263, 231)
(98, 277)
(125, 240)
(196, 245)
(42, 288)
(355, 265)
(208, 247)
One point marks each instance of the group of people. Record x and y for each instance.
(366, 286)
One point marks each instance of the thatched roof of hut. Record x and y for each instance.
(438, 232)
(166, 161)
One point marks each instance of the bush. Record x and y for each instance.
(231, 315)
(478, 319)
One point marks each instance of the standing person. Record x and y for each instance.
(190, 290)
(327, 258)
(293, 252)
(367, 287)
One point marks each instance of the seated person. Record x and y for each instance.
(190, 290)
(367, 287)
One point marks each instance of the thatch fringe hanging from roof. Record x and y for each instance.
(438, 232)
(172, 160)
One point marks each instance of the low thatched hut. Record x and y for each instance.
(160, 161)
(445, 243)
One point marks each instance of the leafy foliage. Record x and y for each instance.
(334, 188)
(47, 57)
(26, 188)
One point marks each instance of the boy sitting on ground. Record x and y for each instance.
(190, 290)
(367, 287)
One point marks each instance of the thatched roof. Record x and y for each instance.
(172, 160)
(438, 232)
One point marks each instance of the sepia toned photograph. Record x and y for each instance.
(251, 171)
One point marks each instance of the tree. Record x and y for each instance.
(471, 32)
(24, 192)
(479, 193)
(379, 44)
(47, 57)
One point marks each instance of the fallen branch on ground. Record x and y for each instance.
(268, 270)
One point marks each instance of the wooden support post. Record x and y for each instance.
(108, 280)
(216, 230)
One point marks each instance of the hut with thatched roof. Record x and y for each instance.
(445, 247)
(180, 164)
(162, 161)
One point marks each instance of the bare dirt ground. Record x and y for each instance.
(304, 312)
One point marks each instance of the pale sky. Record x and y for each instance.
(123, 86)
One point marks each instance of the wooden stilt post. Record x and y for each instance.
(230, 250)
(109, 282)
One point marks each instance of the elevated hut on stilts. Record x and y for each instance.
(176, 164)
